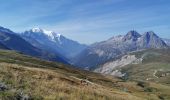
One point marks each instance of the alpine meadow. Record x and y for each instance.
(84, 50)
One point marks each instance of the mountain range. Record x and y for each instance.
(53, 42)
(148, 65)
(53, 46)
(13, 41)
(41, 64)
(104, 51)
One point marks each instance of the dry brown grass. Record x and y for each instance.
(47, 84)
(51, 80)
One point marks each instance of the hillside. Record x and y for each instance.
(101, 52)
(155, 66)
(26, 77)
(151, 65)
(23, 76)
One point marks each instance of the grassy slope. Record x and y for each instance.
(48, 80)
(155, 63)
(154, 60)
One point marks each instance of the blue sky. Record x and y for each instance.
(87, 21)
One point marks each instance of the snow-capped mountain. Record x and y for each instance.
(54, 46)
(15, 42)
(101, 52)
(53, 42)
(50, 34)
(11, 40)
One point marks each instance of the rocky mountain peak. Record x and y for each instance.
(131, 35)
(151, 40)
(150, 34)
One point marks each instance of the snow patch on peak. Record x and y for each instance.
(39, 30)
(51, 35)
(58, 35)
(36, 29)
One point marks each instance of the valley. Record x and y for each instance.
(27, 77)
(84, 50)
(43, 67)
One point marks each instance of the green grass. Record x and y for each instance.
(51, 80)
(47, 80)
(154, 65)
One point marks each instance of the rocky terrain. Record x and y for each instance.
(101, 52)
